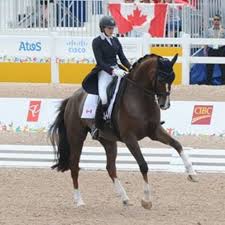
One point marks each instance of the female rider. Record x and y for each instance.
(106, 48)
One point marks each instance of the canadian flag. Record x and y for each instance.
(186, 2)
(149, 18)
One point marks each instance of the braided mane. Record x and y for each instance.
(142, 59)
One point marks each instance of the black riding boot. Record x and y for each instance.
(99, 122)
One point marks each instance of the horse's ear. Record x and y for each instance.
(174, 59)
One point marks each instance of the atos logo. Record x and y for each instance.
(30, 46)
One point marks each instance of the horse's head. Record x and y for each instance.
(164, 77)
(154, 75)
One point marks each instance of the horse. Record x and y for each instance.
(147, 91)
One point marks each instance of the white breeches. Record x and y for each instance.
(103, 81)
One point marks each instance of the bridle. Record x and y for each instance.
(148, 92)
(167, 74)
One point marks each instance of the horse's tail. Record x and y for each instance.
(58, 137)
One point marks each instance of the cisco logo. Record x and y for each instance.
(78, 46)
(30, 46)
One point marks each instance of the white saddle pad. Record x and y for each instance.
(91, 103)
(90, 106)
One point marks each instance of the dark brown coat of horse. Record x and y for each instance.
(147, 90)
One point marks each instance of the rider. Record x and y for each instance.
(106, 47)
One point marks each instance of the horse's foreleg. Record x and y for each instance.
(135, 150)
(111, 153)
(162, 136)
(76, 144)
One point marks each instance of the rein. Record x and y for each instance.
(158, 75)
(149, 92)
(145, 90)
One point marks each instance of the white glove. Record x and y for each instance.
(118, 72)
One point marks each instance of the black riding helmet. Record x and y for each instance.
(106, 21)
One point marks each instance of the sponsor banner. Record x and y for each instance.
(132, 48)
(195, 118)
(79, 50)
(183, 117)
(74, 50)
(27, 115)
(25, 49)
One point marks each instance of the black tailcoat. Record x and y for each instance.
(105, 56)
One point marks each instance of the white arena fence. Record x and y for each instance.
(93, 158)
(55, 47)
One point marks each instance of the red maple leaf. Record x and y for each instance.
(136, 18)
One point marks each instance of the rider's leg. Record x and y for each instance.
(103, 81)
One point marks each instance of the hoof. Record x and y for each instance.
(192, 178)
(146, 205)
(80, 204)
(127, 203)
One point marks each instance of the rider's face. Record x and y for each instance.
(109, 31)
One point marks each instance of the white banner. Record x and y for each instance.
(27, 115)
(132, 48)
(75, 49)
(195, 118)
(39, 49)
(25, 48)
(183, 118)
(79, 50)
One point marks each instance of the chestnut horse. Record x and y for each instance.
(147, 90)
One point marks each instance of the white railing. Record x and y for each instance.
(69, 17)
(186, 43)
(81, 17)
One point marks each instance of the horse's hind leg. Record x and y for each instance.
(162, 136)
(76, 141)
(111, 153)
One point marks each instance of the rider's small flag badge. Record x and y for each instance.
(202, 114)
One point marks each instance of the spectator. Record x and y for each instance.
(216, 31)
(44, 9)
(173, 26)
(44, 13)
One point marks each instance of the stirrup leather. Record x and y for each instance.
(95, 133)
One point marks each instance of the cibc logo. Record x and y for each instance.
(33, 111)
(202, 115)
